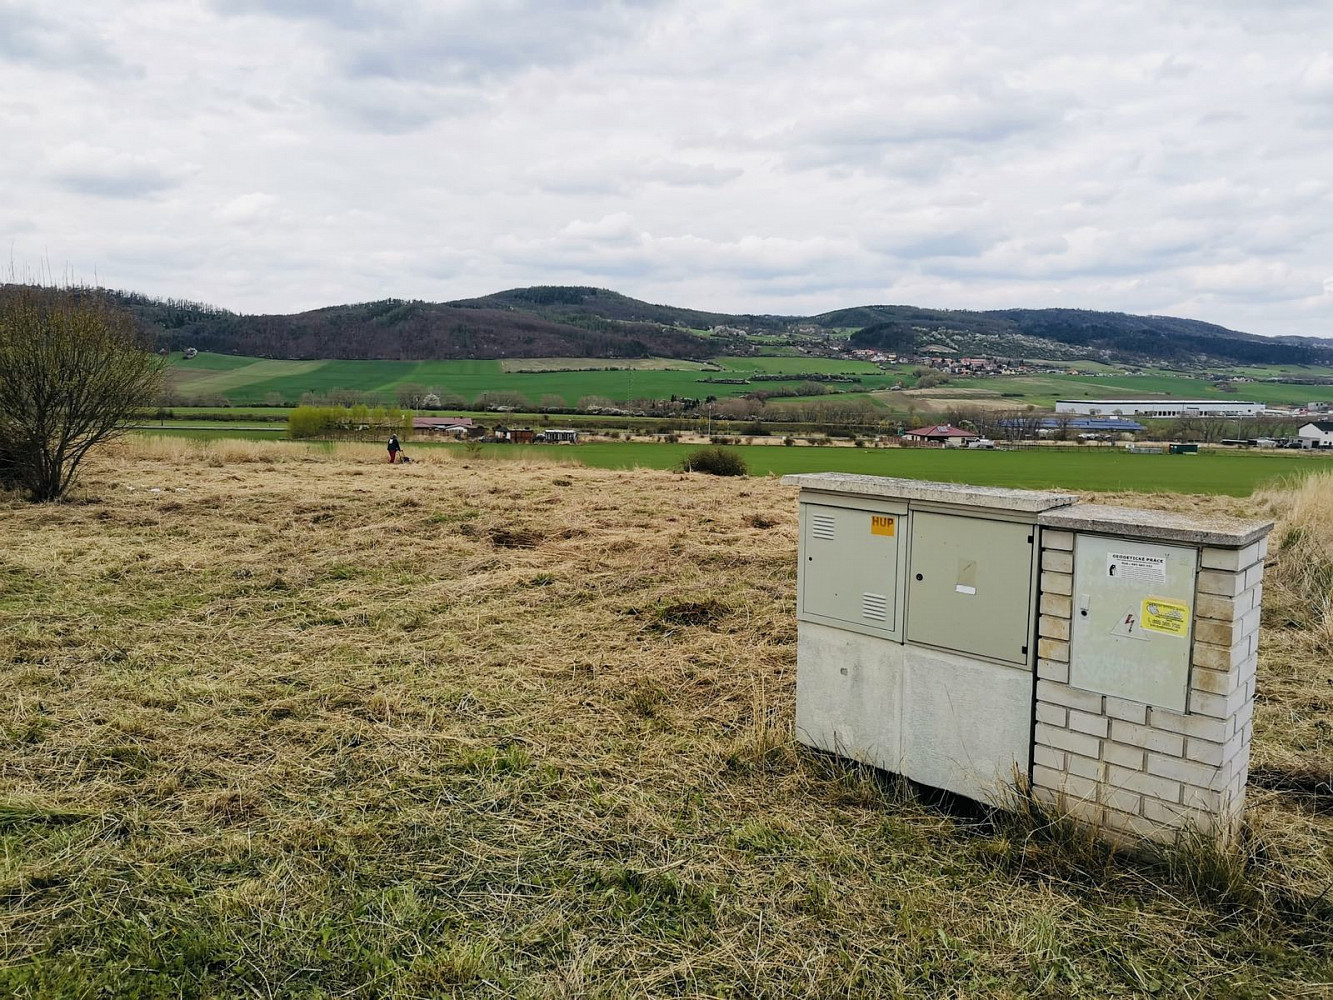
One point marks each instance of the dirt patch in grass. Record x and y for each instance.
(706, 612)
(1313, 789)
(371, 754)
(516, 538)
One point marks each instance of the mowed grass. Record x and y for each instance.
(303, 724)
(1083, 468)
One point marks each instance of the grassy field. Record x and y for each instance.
(1236, 474)
(800, 365)
(1087, 468)
(250, 380)
(304, 725)
(603, 364)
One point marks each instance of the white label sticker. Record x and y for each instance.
(964, 589)
(1128, 626)
(1140, 569)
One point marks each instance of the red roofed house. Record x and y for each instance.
(942, 434)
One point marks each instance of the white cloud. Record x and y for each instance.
(247, 209)
(284, 154)
(109, 173)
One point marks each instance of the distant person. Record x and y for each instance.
(394, 448)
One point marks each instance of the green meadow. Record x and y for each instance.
(1101, 469)
(256, 380)
(244, 381)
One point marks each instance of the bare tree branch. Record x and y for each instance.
(74, 371)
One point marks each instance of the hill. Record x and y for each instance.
(575, 321)
(1069, 333)
(395, 329)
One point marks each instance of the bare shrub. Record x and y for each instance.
(74, 372)
(715, 461)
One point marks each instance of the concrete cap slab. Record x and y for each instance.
(1159, 525)
(961, 494)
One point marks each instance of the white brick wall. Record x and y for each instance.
(1136, 770)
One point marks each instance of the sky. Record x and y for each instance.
(776, 157)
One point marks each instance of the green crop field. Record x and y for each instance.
(255, 380)
(603, 364)
(799, 366)
(1092, 469)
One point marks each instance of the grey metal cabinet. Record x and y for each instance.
(851, 567)
(969, 585)
(1133, 619)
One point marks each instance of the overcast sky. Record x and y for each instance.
(789, 157)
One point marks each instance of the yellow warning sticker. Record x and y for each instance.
(1169, 617)
(882, 525)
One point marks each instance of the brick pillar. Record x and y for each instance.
(1138, 771)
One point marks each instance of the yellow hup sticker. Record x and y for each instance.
(1169, 617)
(882, 525)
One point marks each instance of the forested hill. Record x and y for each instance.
(560, 321)
(1071, 333)
(394, 329)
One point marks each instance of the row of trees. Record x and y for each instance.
(348, 422)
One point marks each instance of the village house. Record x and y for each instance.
(945, 435)
(1316, 434)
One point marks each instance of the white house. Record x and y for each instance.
(1161, 408)
(1318, 434)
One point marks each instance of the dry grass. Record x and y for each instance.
(301, 724)
(1297, 654)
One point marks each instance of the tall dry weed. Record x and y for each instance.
(236, 451)
(1299, 580)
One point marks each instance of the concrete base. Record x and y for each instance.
(944, 720)
(967, 724)
(849, 695)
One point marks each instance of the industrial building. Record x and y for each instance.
(1160, 408)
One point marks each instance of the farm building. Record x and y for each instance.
(561, 436)
(459, 426)
(515, 435)
(1317, 434)
(942, 434)
(1160, 408)
(1051, 426)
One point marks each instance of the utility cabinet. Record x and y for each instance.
(985, 640)
(916, 626)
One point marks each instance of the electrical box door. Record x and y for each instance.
(1133, 619)
(970, 585)
(850, 568)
